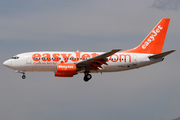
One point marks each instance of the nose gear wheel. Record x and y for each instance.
(23, 76)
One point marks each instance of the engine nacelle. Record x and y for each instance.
(66, 70)
(63, 75)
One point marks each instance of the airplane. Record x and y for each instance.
(68, 64)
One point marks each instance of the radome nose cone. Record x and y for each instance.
(6, 63)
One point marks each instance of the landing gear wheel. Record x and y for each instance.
(87, 77)
(24, 76)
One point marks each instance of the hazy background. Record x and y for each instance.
(149, 93)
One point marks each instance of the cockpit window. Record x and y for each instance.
(15, 57)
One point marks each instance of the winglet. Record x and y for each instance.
(116, 49)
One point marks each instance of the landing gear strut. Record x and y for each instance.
(87, 76)
(23, 76)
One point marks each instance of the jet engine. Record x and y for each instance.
(66, 70)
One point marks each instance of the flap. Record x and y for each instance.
(102, 57)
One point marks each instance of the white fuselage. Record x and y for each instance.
(48, 61)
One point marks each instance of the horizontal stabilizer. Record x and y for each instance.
(162, 54)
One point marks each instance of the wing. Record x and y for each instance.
(96, 62)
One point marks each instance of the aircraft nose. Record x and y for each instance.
(7, 63)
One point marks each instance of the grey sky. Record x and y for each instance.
(167, 4)
(149, 93)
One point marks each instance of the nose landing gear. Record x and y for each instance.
(87, 76)
(23, 76)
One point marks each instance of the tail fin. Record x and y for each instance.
(153, 43)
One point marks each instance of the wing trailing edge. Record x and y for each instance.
(97, 61)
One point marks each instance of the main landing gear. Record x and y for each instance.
(87, 76)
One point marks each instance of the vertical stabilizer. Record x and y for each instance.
(153, 43)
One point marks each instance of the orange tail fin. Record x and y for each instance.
(153, 43)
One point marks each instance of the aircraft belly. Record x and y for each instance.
(149, 62)
(112, 67)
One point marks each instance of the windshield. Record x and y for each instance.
(15, 57)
